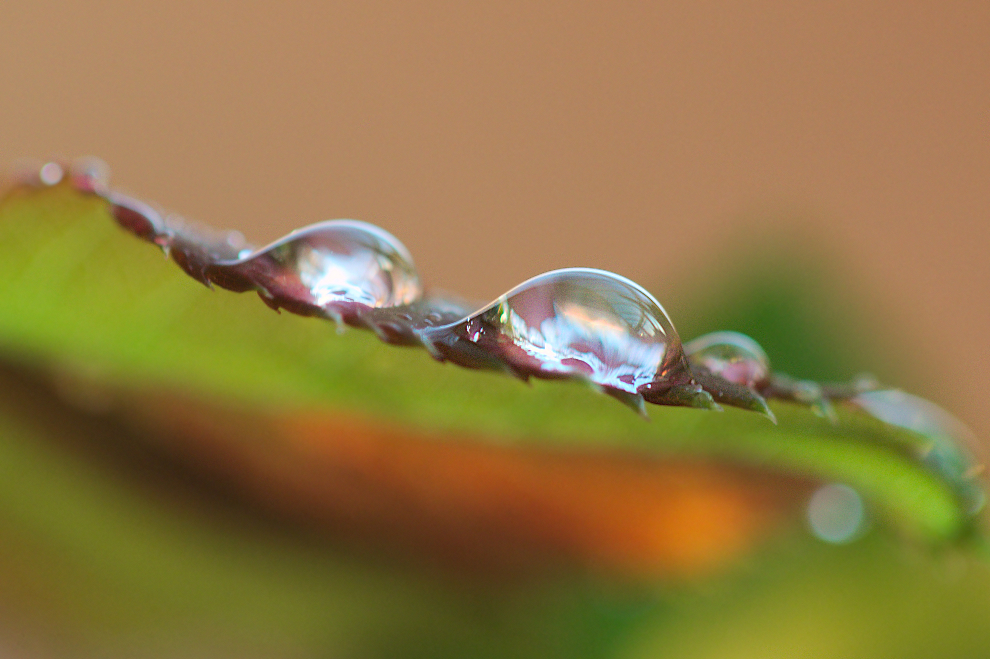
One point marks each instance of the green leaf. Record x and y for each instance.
(76, 291)
(84, 300)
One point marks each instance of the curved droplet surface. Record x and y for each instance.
(946, 436)
(730, 355)
(138, 217)
(912, 413)
(90, 175)
(733, 368)
(337, 268)
(572, 323)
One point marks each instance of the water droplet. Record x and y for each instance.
(338, 269)
(731, 367)
(836, 514)
(946, 436)
(138, 217)
(51, 173)
(810, 393)
(912, 413)
(574, 323)
(730, 355)
(90, 174)
(27, 172)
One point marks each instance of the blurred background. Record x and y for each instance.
(682, 146)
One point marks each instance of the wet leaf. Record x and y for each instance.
(278, 417)
(83, 296)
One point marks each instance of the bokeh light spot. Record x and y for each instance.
(836, 514)
(51, 173)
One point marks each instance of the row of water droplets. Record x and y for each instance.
(575, 323)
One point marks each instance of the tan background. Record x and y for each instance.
(502, 140)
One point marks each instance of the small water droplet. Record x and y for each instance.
(573, 323)
(235, 240)
(138, 217)
(732, 356)
(337, 269)
(732, 368)
(51, 173)
(865, 382)
(810, 393)
(90, 174)
(807, 392)
(912, 413)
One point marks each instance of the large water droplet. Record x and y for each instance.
(338, 269)
(574, 323)
(730, 355)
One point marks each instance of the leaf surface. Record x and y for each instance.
(118, 330)
(79, 294)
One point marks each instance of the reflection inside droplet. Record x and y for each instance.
(334, 277)
(836, 514)
(730, 355)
